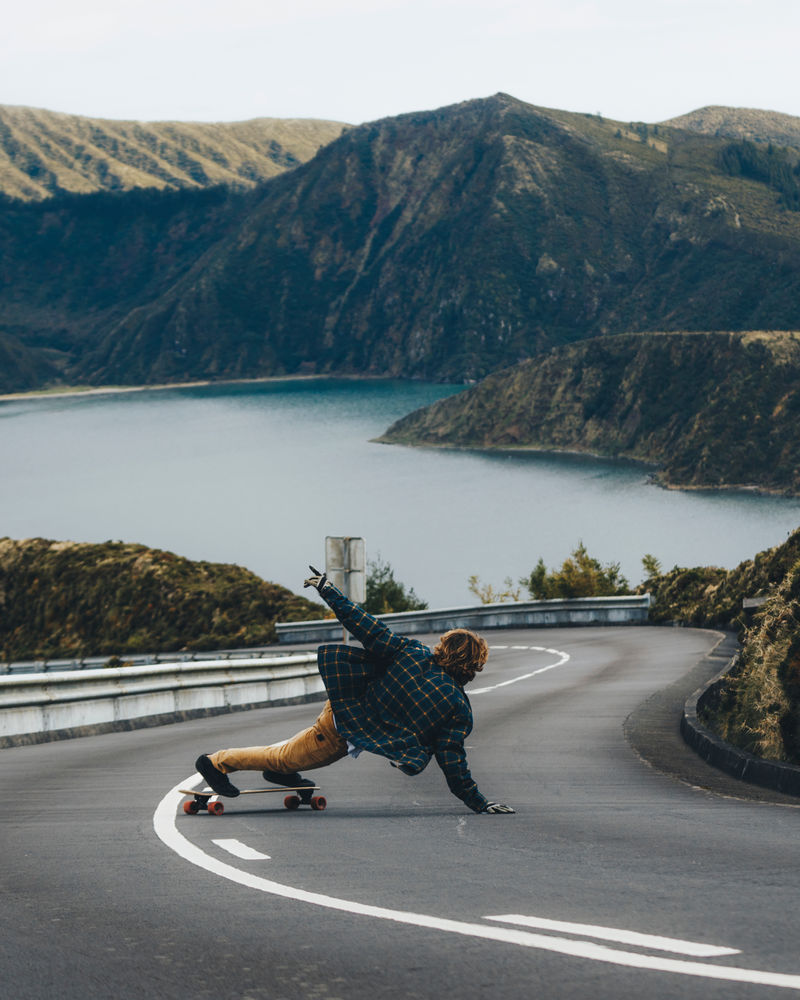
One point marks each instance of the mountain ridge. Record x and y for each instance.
(439, 244)
(47, 152)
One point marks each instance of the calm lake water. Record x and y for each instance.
(258, 474)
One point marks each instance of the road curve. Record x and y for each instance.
(629, 869)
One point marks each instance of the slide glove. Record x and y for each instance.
(497, 807)
(318, 580)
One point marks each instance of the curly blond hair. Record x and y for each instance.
(461, 654)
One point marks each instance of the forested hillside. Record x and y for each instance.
(441, 245)
(759, 707)
(707, 409)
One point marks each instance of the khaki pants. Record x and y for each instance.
(316, 746)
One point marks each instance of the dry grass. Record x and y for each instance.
(44, 151)
(759, 708)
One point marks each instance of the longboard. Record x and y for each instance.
(202, 801)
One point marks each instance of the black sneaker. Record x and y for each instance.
(220, 782)
(292, 780)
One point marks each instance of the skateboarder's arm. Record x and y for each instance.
(452, 759)
(371, 633)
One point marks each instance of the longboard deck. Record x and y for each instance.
(209, 801)
(207, 793)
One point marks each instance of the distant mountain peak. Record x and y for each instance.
(752, 124)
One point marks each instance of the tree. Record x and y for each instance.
(486, 593)
(651, 566)
(385, 594)
(580, 576)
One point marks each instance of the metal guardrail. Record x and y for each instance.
(37, 706)
(49, 699)
(132, 660)
(626, 610)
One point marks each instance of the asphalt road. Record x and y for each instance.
(622, 838)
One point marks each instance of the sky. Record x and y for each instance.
(359, 60)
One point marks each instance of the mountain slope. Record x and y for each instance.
(440, 244)
(711, 410)
(45, 152)
(741, 123)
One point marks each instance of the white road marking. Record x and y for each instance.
(167, 831)
(562, 659)
(240, 850)
(693, 948)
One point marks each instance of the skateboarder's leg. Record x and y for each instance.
(317, 746)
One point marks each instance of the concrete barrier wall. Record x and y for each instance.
(35, 708)
(630, 610)
(767, 773)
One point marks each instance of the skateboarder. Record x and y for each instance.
(394, 697)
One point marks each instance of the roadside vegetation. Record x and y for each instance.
(385, 594)
(580, 575)
(759, 705)
(71, 599)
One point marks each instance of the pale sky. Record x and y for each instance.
(358, 60)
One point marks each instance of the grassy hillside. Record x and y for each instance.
(709, 409)
(442, 244)
(759, 705)
(44, 152)
(71, 599)
(710, 597)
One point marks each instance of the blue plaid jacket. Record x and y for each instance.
(392, 698)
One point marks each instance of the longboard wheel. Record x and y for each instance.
(292, 802)
(191, 807)
(319, 802)
(216, 808)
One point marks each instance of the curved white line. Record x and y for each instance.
(562, 659)
(167, 831)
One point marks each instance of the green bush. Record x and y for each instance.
(580, 576)
(386, 595)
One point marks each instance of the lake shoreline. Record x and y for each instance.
(655, 476)
(114, 390)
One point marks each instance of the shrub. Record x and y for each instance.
(386, 595)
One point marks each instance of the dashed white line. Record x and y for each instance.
(240, 850)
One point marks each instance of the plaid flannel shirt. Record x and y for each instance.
(392, 698)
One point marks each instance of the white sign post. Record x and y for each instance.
(346, 567)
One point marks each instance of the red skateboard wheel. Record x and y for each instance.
(319, 802)
(292, 802)
(191, 807)
(216, 808)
